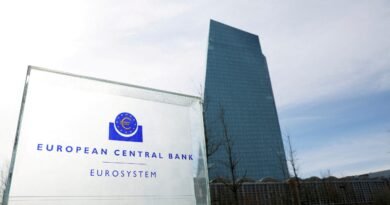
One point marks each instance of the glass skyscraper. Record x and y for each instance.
(238, 94)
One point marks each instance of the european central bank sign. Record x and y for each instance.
(82, 140)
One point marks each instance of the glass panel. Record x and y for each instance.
(82, 140)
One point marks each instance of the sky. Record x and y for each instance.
(329, 63)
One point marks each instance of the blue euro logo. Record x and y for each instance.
(125, 128)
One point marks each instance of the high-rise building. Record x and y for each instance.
(239, 97)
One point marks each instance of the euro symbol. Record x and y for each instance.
(125, 122)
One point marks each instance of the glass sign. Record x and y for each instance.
(82, 140)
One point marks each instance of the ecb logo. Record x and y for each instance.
(125, 128)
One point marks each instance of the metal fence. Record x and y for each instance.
(306, 192)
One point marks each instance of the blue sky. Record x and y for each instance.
(329, 62)
(353, 130)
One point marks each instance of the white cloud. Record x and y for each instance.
(350, 155)
(333, 51)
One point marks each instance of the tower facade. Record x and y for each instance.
(239, 107)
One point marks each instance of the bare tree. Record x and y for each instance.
(232, 161)
(329, 187)
(212, 144)
(282, 162)
(292, 160)
(326, 174)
